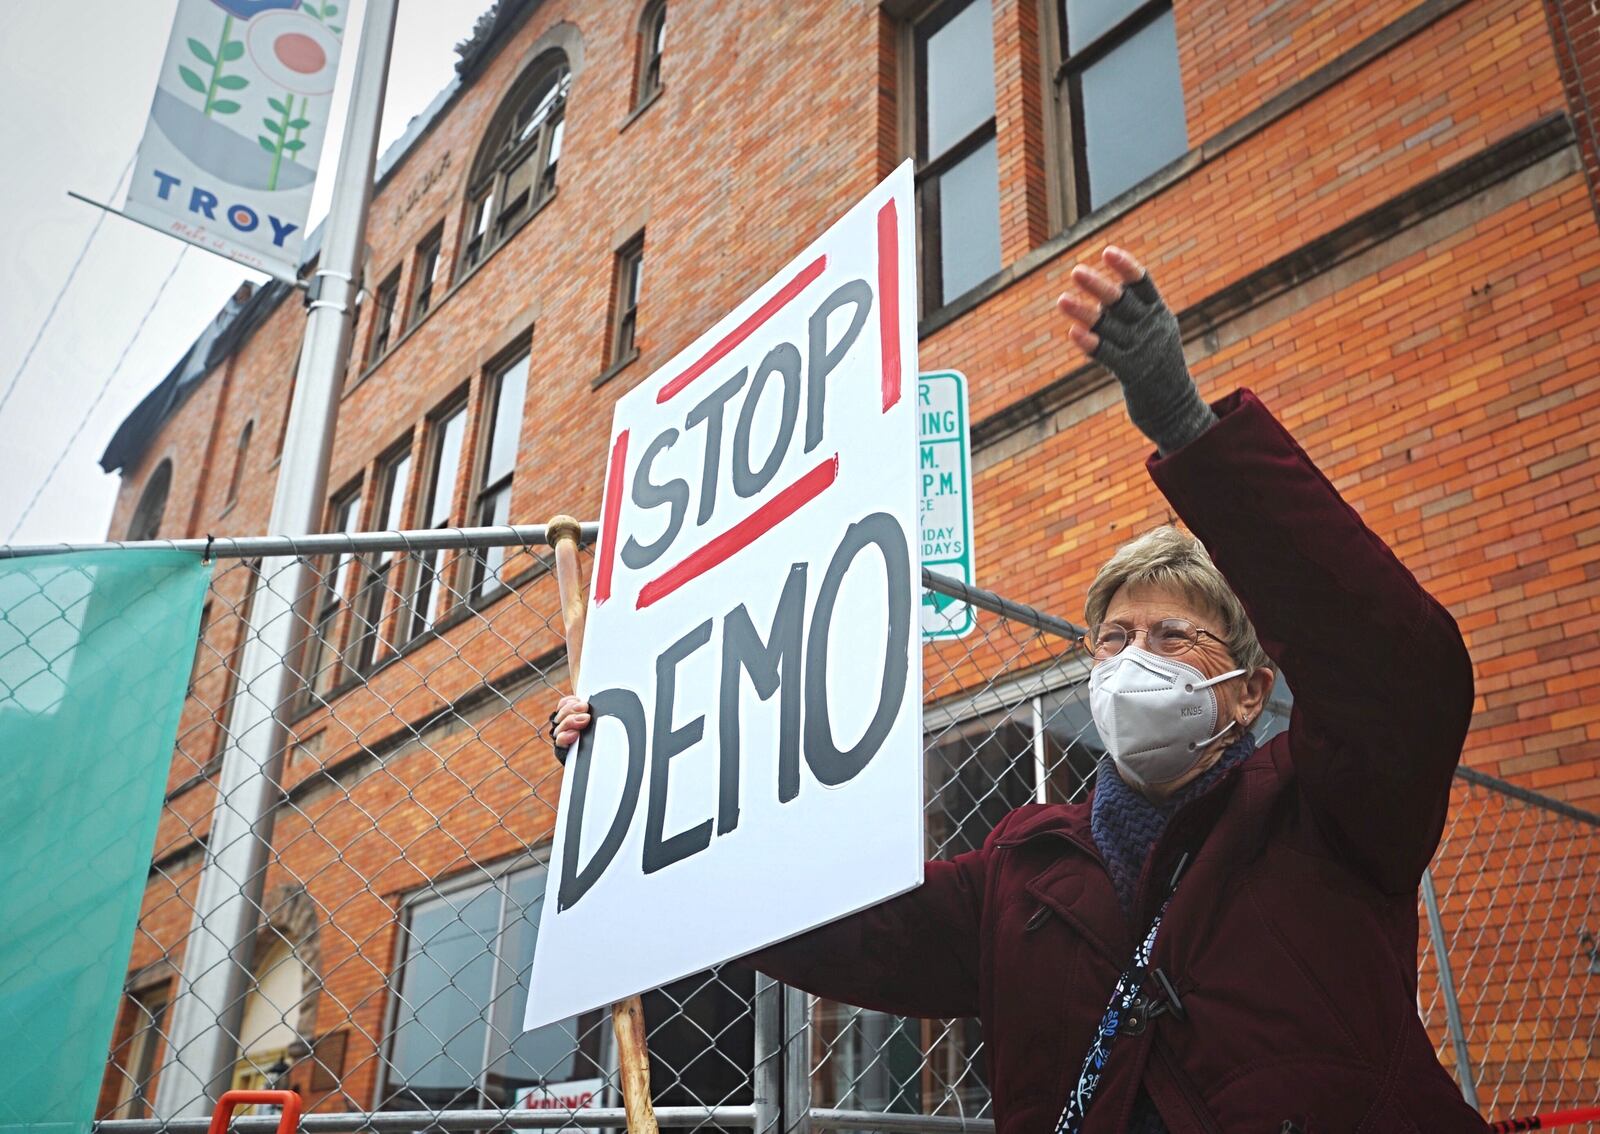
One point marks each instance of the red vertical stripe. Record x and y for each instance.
(608, 527)
(889, 300)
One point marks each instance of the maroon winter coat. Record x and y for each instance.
(1292, 938)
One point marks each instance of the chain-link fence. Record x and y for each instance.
(413, 794)
(1512, 896)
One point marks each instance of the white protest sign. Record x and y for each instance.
(751, 656)
(944, 478)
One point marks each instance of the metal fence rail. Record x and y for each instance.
(414, 790)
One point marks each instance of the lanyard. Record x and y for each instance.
(1129, 985)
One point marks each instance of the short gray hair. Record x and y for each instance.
(1167, 557)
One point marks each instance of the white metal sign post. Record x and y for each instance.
(944, 479)
(750, 654)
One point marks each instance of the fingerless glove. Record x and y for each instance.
(1141, 345)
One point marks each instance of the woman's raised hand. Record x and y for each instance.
(1101, 288)
(1119, 319)
(572, 717)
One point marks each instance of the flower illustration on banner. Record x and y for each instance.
(326, 11)
(216, 57)
(294, 51)
(299, 53)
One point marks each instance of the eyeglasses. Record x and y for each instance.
(1168, 637)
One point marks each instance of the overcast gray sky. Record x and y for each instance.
(78, 79)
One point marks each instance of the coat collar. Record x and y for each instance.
(1086, 899)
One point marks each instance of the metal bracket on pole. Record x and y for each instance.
(315, 289)
(203, 1043)
(283, 276)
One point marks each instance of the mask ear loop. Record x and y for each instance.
(1193, 687)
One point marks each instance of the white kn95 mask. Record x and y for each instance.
(1156, 715)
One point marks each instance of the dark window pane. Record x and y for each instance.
(1133, 110)
(437, 1053)
(501, 457)
(959, 83)
(541, 100)
(874, 1061)
(1087, 20)
(550, 1057)
(969, 221)
(446, 464)
(547, 182)
(519, 184)
(493, 510)
(702, 1038)
(977, 771)
(395, 494)
(1072, 746)
(152, 504)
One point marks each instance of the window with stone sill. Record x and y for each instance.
(652, 40)
(381, 576)
(491, 502)
(425, 276)
(230, 697)
(335, 583)
(515, 170)
(952, 116)
(455, 1038)
(241, 452)
(1118, 96)
(431, 593)
(627, 279)
(152, 506)
(383, 328)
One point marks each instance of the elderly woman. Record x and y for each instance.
(1224, 937)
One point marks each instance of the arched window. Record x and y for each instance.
(652, 37)
(515, 170)
(240, 452)
(152, 503)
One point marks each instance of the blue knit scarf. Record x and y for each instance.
(1126, 825)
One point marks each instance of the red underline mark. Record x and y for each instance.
(608, 529)
(889, 301)
(744, 330)
(742, 534)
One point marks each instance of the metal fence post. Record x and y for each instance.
(796, 1061)
(767, 1074)
(1447, 989)
(203, 1043)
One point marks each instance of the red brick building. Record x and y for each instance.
(1380, 216)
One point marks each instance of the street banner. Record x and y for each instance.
(751, 657)
(944, 478)
(229, 155)
(95, 653)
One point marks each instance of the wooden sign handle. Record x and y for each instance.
(627, 1016)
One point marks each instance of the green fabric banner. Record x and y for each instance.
(95, 652)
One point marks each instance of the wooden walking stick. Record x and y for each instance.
(627, 1016)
